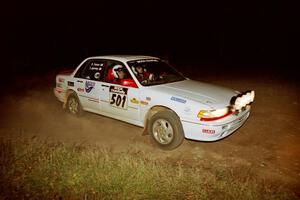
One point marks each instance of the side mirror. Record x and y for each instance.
(128, 82)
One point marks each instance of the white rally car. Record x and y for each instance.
(147, 92)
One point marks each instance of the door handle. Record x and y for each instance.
(79, 81)
(104, 85)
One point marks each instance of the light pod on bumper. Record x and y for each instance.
(243, 100)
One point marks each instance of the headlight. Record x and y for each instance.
(219, 112)
(210, 115)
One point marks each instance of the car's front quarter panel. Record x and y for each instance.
(184, 108)
(187, 110)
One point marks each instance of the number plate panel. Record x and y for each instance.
(118, 97)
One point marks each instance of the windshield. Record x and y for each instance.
(154, 72)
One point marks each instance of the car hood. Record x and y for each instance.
(205, 93)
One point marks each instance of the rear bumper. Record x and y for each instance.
(206, 132)
(60, 94)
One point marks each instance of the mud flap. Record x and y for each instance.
(66, 98)
(145, 131)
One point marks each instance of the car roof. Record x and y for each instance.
(123, 58)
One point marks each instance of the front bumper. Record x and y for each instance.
(213, 132)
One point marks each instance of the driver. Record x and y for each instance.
(119, 73)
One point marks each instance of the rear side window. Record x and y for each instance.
(92, 70)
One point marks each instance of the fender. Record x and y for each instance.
(153, 110)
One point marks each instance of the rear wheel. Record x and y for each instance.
(166, 130)
(73, 105)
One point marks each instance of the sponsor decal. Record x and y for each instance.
(178, 99)
(95, 68)
(89, 85)
(118, 97)
(97, 64)
(61, 80)
(208, 131)
(148, 98)
(144, 103)
(80, 89)
(134, 100)
(70, 83)
(147, 60)
(117, 89)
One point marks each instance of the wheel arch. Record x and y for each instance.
(68, 93)
(154, 109)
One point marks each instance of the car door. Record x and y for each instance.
(87, 84)
(120, 100)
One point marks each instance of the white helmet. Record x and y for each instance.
(135, 71)
(115, 69)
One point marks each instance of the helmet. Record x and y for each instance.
(115, 69)
(135, 71)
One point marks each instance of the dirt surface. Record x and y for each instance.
(268, 143)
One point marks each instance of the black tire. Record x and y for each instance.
(73, 105)
(166, 130)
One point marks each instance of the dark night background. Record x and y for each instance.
(39, 37)
(243, 45)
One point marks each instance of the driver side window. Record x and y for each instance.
(117, 73)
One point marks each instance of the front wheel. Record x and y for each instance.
(166, 130)
(73, 105)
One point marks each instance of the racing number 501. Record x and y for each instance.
(118, 100)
